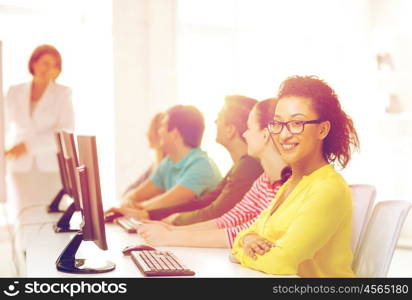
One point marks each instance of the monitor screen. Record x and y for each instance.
(93, 215)
(69, 146)
(67, 158)
(71, 162)
(62, 163)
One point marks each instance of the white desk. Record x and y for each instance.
(37, 214)
(206, 262)
(32, 219)
(29, 223)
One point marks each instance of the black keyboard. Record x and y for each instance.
(159, 263)
(128, 224)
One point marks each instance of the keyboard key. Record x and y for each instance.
(141, 264)
(159, 263)
(126, 224)
(174, 263)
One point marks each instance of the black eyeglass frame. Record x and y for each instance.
(283, 124)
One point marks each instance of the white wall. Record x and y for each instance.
(391, 24)
(250, 47)
(144, 78)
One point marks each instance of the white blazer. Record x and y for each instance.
(54, 111)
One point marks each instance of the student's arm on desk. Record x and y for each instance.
(145, 191)
(175, 196)
(157, 234)
(208, 225)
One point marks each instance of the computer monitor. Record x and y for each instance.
(71, 162)
(93, 207)
(65, 190)
(93, 218)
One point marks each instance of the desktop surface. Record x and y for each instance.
(205, 262)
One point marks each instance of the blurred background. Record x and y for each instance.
(128, 59)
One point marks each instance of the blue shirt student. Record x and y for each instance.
(196, 171)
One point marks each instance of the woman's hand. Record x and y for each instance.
(254, 244)
(16, 151)
(155, 233)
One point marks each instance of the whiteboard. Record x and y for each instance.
(2, 134)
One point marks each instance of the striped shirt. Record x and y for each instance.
(247, 210)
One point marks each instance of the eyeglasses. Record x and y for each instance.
(294, 127)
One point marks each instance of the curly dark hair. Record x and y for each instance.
(342, 138)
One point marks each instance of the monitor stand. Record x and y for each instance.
(54, 205)
(67, 262)
(63, 225)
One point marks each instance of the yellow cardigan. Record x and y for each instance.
(311, 229)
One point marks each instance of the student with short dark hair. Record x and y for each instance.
(188, 121)
(186, 171)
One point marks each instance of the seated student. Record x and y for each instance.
(307, 229)
(221, 231)
(231, 123)
(154, 143)
(185, 172)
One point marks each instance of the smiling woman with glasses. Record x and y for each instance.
(306, 230)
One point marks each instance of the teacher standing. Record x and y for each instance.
(34, 112)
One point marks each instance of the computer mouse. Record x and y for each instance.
(111, 215)
(141, 247)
